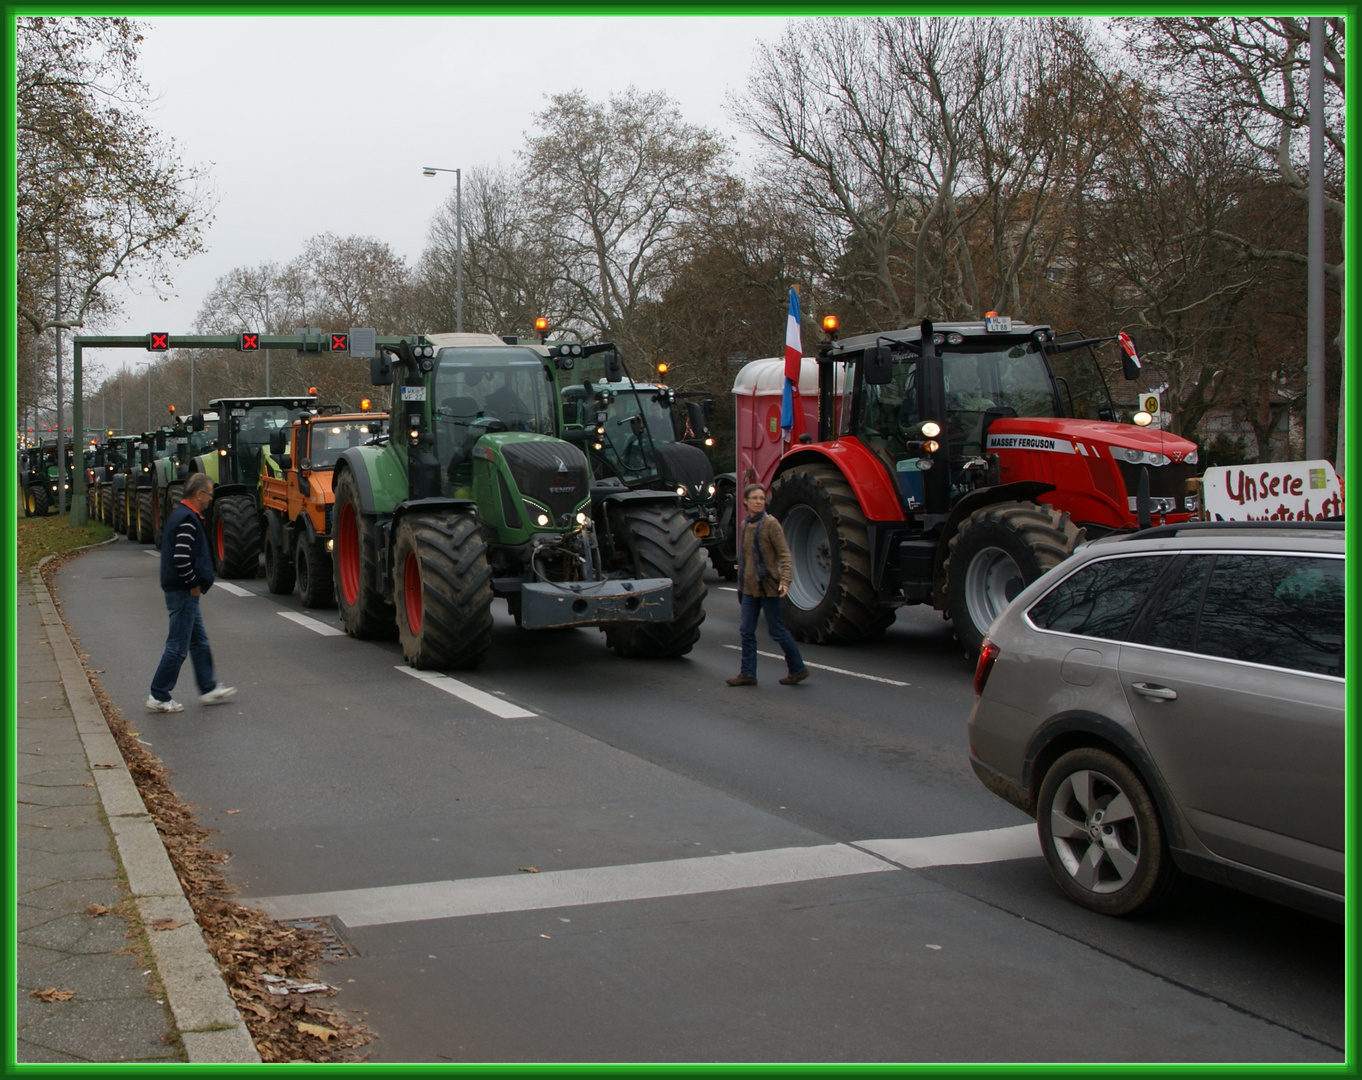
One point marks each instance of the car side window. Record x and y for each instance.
(1281, 610)
(1173, 625)
(1100, 599)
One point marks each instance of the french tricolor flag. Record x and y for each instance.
(794, 357)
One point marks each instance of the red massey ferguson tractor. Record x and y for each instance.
(953, 465)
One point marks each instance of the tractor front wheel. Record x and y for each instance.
(174, 496)
(997, 552)
(313, 571)
(235, 537)
(364, 609)
(35, 501)
(724, 553)
(442, 582)
(279, 573)
(832, 597)
(146, 522)
(664, 545)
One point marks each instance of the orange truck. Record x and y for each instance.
(296, 498)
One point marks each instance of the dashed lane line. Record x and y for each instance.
(325, 629)
(235, 590)
(648, 881)
(828, 667)
(472, 695)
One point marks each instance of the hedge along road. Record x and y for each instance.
(566, 856)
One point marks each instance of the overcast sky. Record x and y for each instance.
(311, 125)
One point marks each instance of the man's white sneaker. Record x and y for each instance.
(217, 695)
(163, 706)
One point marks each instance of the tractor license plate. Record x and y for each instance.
(998, 324)
(413, 393)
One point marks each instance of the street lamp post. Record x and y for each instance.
(431, 170)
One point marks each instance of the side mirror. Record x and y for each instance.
(277, 442)
(695, 413)
(160, 440)
(196, 422)
(286, 462)
(878, 364)
(614, 366)
(381, 370)
(708, 409)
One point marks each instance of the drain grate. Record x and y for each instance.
(328, 928)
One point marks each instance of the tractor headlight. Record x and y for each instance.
(1144, 457)
(330, 544)
(582, 519)
(1190, 459)
(711, 489)
(681, 490)
(542, 520)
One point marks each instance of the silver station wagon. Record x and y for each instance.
(1173, 701)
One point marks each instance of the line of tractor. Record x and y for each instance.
(947, 464)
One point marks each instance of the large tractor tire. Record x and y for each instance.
(146, 516)
(129, 502)
(116, 511)
(174, 496)
(364, 609)
(235, 537)
(724, 552)
(664, 545)
(832, 597)
(36, 502)
(997, 552)
(312, 567)
(279, 572)
(442, 582)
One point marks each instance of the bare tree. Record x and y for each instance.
(611, 186)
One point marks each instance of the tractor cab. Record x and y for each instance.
(244, 427)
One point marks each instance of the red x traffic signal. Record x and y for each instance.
(158, 342)
(340, 342)
(248, 342)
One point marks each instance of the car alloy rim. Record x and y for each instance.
(1095, 832)
(991, 582)
(811, 554)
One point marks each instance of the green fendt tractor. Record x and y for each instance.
(39, 479)
(111, 478)
(240, 437)
(481, 491)
(170, 468)
(652, 439)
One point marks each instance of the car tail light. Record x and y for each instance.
(988, 653)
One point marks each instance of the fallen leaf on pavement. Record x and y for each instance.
(52, 994)
(323, 1033)
(167, 924)
(529, 869)
(97, 909)
(105, 765)
(233, 811)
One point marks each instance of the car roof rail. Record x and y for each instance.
(1335, 524)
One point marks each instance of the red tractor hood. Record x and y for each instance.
(1089, 433)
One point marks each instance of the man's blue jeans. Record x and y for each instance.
(752, 606)
(187, 637)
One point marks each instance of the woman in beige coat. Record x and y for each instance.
(764, 573)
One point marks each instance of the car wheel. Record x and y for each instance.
(1101, 835)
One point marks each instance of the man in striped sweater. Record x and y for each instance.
(186, 574)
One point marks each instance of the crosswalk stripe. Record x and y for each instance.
(235, 590)
(959, 849)
(472, 695)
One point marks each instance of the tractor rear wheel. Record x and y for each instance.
(35, 501)
(997, 552)
(235, 537)
(664, 545)
(129, 502)
(106, 504)
(279, 573)
(313, 571)
(832, 597)
(146, 522)
(364, 609)
(442, 582)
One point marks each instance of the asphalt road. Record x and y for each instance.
(566, 856)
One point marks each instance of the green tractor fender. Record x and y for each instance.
(379, 479)
(205, 463)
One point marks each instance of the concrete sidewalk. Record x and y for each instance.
(85, 838)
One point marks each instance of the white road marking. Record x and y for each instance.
(312, 624)
(152, 552)
(826, 667)
(473, 696)
(573, 888)
(728, 588)
(646, 881)
(235, 590)
(960, 849)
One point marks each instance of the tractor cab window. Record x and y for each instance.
(636, 421)
(253, 430)
(479, 392)
(331, 439)
(996, 379)
(1082, 386)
